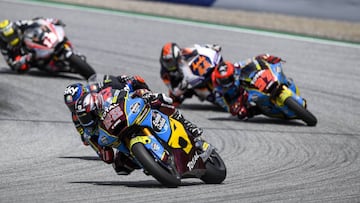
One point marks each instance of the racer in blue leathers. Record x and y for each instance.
(227, 81)
(89, 132)
(87, 122)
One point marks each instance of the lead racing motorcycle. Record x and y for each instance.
(53, 51)
(155, 142)
(273, 94)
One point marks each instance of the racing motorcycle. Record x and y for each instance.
(201, 66)
(155, 142)
(273, 94)
(53, 51)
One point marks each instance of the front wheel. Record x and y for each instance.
(301, 112)
(215, 169)
(81, 66)
(156, 170)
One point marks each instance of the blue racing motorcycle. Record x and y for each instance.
(155, 142)
(271, 93)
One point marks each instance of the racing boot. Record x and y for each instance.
(195, 131)
(123, 165)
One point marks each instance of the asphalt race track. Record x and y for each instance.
(268, 160)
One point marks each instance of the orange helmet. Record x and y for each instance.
(170, 55)
(223, 74)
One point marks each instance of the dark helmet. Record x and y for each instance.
(87, 108)
(223, 74)
(10, 33)
(72, 93)
(170, 55)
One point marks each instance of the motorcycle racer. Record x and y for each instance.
(87, 122)
(186, 71)
(11, 42)
(228, 80)
(88, 133)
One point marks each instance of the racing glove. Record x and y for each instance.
(269, 58)
(214, 47)
(21, 63)
(238, 108)
(59, 22)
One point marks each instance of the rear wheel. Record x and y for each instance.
(215, 169)
(81, 66)
(301, 112)
(155, 169)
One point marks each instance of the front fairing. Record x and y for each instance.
(161, 135)
(164, 137)
(262, 99)
(42, 38)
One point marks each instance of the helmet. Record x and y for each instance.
(223, 74)
(72, 93)
(170, 55)
(87, 108)
(9, 33)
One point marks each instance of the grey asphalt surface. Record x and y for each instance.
(43, 160)
(343, 10)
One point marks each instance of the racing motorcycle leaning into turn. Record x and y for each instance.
(155, 142)
(196, 67)
(53, 51)
(273, 94)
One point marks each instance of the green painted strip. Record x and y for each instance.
(242, 29)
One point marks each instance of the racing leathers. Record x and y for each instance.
(89, 134)
(233, 99)
(193, 73)
(18, 57)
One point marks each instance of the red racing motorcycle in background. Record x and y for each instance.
(53, 51)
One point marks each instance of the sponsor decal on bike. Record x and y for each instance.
(134, 108)
(191, 164)
(155, 147)
(112, 116)
(158, 122)
(256, 77)
(104, 140)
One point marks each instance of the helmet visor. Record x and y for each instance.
(169, 64)
(86, 119)
(226, 82)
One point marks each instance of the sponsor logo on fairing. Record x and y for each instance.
(191, 164)
(257, 75)
(158, 121)
(108, 109)
(134, 108)
(155, 147)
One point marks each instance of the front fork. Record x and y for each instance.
(285, 93)
(150, 143)
(280, 98)
(156, 148)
